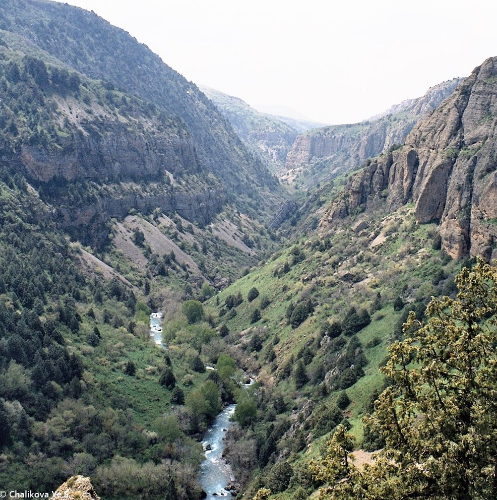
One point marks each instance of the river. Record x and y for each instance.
(215, 473)
(156, 328)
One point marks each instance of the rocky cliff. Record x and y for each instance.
(94, 152)
(325, 152)
(88, 44)
(447, 168)
(270, 137)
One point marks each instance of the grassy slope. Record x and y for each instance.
(391, 256)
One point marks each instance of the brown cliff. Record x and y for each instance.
(327, 151)
(447, 168)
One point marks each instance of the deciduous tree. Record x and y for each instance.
(439, 415)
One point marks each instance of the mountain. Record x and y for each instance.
(446, 168)
(269, 136)
(188, 134)
(324, 153)
(165, 207)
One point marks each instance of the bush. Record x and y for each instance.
(256, 316)
(279, 477)
(343, 400)
(197, 365)
(167, 379)
(355, 322)
(398, 304)
(253, 294)
(264, 302)
(129, 368)
(245, 412)
(193, 310)
(177, 396)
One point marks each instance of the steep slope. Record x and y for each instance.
(322, 154)
(269, 136)
(446, 168)
(83, 41)
(94, 152)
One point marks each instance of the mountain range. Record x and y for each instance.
(284, 251)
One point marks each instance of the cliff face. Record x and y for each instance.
(270, 137)
(447, 167)
(326, 151)
(116, 153)
(81, 40)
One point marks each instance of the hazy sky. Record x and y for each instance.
(329, 61)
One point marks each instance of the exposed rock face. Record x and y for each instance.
(76, 488)
(90, 45)
(126, 170)
(198, 207)
(115, 153)
(271, 137)
(342, 147)
(447, 167)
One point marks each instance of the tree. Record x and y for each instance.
(279, 477)
(138, 237)
(253, 294)
(438, 417)
(177, 396)
(245, 412)
(300, 375)
(167, 379)
(197, 365)
(193, 310)
(129, 368)
(256, 316)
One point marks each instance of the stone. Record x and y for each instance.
(76, 488)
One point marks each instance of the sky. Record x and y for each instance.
(323, 60)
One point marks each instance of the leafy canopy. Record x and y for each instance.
(439, 415)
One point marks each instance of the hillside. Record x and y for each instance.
(269, 136)
(80, 41)
(318, 317)
(125, 191)
(322, 154)
(446, 168)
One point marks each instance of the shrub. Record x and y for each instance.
(129, 368)
(253, 294)
(193, 310)
(167, 379)
(256, 316)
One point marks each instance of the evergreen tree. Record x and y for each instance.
(167, 379)
(177, 396)
(300, 375)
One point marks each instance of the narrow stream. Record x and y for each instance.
(215, 472)
(156, 328)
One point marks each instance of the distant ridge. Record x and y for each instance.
(326, 152)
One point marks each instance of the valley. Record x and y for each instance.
(161, 246)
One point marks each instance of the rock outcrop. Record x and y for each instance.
(330, 150)
(114, 153)
(76, 488)
(447, 168)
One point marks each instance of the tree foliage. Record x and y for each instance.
(439, 415)
(193, 310)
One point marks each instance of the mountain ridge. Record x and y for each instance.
(446, 168)
(324, 153)
(90, 45)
